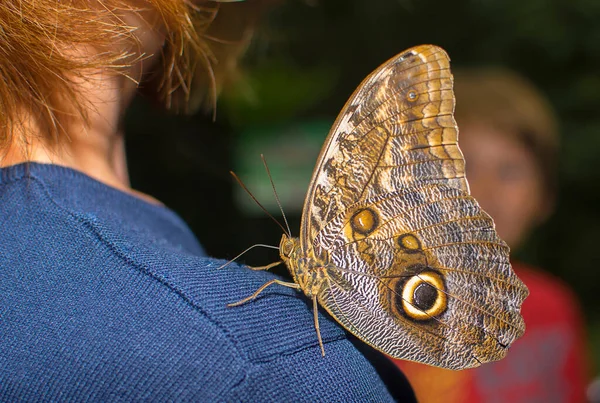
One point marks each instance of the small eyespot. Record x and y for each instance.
(364, 221)
(409, 243)
(412, 95)
(424, 296)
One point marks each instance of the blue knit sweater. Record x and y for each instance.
(105, 297)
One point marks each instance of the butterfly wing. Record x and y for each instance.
(415, 267)
(396, 130)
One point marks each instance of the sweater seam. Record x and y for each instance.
(28, 170)
(258, 363)
(139, 267)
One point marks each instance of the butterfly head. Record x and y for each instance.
(289, 251)
(287, 247)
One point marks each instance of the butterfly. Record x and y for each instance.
(391, 244)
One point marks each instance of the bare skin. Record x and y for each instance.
(98, 148)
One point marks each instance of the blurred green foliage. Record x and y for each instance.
(256, 100)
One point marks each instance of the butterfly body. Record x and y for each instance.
(391, 243)
(306, 270)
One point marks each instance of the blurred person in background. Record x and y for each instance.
(509, 137)
(105, 294)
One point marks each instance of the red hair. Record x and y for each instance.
(38, 66)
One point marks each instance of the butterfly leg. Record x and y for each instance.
(262, 288)
(316, 316)
(267, 267)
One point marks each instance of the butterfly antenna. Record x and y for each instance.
(245, 251)
(264, 160)
(257, 202)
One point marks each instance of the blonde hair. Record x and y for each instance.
(505, 100)
(38, 68)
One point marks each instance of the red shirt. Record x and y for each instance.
(547, 364)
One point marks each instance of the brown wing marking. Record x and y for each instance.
(450, 235)
(396, 130)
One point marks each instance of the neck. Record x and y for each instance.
(94, 145)
(108, 166)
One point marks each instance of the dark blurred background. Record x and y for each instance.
(305, 63)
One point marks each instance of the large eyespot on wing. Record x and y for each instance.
(396, 130)
(430, 281)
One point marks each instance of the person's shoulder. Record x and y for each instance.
(120, 305)
(279, 321)
(275, 337)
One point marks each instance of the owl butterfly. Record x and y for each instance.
(391, 243)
